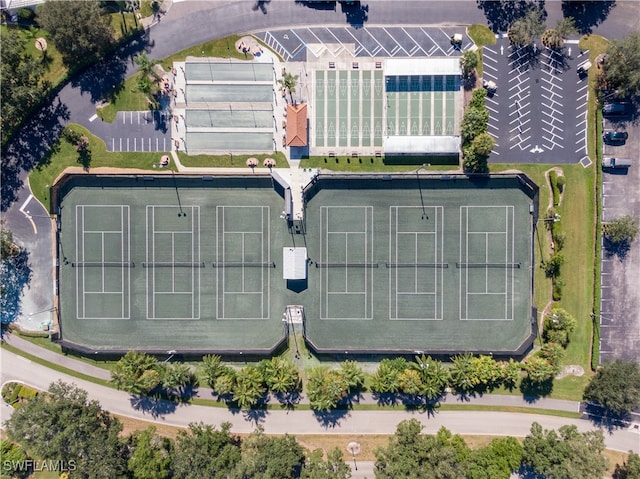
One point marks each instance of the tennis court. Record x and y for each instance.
(166, 263)
(408, 264)
(399, 263)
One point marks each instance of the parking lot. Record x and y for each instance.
(539, 111)
(302, 44)
(135, 131)
(620, 298)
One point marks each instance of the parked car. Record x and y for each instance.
(615, 137)
(615, 162)
(616, 109)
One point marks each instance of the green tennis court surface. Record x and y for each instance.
(396, 264)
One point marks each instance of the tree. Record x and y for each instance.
(353, 375)
(146, 64)
(281, 375)
(473, 123)
(14, 458)
(553, 38)
(511, 373)
(616, 387)
(463, 377)
(558, 324)
(468, 62)
(409, 453)
(410, 382)
(333, 468)
(225, 383)
(525, 30)
(78, 29)
(289, 82)
(64, 424)
(433, 374)
(483, 144)
(473, 161)
(21, 83)
(150, 456)
(248, 388)
(325, 387)
(211, 368)
(621, 230)
(385, 379)
(553, 353)
(176, 377)
(136, 373)
(553, 265)
(486, 370)
(622, 71)
(204, 451)
(478, 99)
(565, 454)
(539, 369)
(629, 469)
(499, 459)
(265, 457)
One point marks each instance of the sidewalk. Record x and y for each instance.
(365, 398)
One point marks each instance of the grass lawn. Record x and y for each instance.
(481, 36)
(126, 98)
(578, 223)
(65, 155)
(54, 70)
(230, 161)
(218, 48)
(365, 163)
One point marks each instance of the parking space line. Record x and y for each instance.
(489, 67)
(375, 40)
(491, 109)
(490, 75)
(487, 49)
(113, 144)
(432, 40)
(414, 41)
(395, 40)
(359, 42)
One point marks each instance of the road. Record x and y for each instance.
(15, 367)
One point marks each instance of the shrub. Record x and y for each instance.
(560, 182)
(557, 291)
(478, 97)
(552, 267)
(558, 324)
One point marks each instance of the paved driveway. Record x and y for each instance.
(539, 113)
(620, 280)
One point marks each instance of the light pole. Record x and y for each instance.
(354, 448)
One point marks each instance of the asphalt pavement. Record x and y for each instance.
(304, 422)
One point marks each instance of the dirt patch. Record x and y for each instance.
(571, 370)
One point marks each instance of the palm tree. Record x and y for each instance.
(325, 388)
(248, 387)
(433, 374)
(289, 82)
(410, 382)
(136, 373)
(352, 374)
(146, 64)
(281, 375)
(462, 373)
(211, 369)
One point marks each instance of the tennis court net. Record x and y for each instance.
(416, 265)
(489, 265)
(102, 264)
(241, 264)
(174, 264)
(346, 265)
